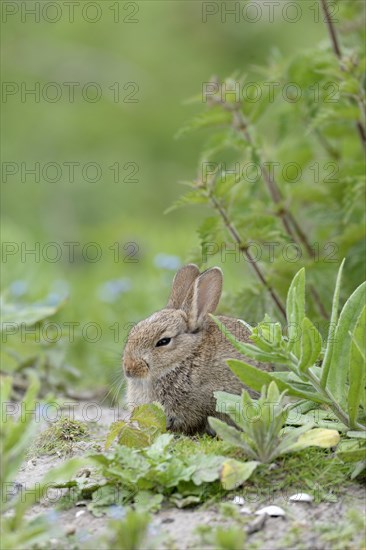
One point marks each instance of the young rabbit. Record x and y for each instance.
(177, 355)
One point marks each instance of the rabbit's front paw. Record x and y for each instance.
(170, 420)
(173, 423)
(209, 431)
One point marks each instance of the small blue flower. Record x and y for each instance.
(110, 290)
(61, 287)
(19, 287)
(53, 299)
(165, 261)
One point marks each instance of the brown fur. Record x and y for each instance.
(183, 375)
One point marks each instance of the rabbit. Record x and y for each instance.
(176, 357)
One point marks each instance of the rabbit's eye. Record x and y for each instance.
(163, 342)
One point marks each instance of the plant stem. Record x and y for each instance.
(338, 411)
(331, 29)
(243, 248)
(338, 52)
(291, 225)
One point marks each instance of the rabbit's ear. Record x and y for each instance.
(204, 297)
(182, 282)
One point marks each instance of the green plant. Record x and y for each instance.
(353, 451)
(16, 435)
(222, 537)
(263, 436)
(150, 420)
(333, 377)
(33, 345)
(144, 472)
(274, 163)
(129, 534)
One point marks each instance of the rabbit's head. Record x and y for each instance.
(169, 336)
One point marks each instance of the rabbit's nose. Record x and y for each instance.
(135, 367)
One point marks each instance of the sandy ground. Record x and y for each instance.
(304, 526)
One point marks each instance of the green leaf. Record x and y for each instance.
(184, 502)
(227, 403)
(207, 468)
(341, 356)
(356, 434)
(150, 415)
(158, 449)
(255, 378)
(28, 314)
(295, 310)
(311, 345)
(130, 437)
(215, 116)
(234, 473)
(231, 435)
(250, 350)
(357, 369)
(317, 437)
(332, 327)
(147, 501)
(114, 431)
(193, 197)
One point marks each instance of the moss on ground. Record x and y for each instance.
(60, 437)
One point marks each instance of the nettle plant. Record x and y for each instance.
(332, 375)
(282, 171)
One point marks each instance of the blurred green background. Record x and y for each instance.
(167, 54)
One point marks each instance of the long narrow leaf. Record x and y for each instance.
(332, 326)
(311, 345)
(255, 378)
(341, 357)
(249, 350)
(357, 369)
(295, 310)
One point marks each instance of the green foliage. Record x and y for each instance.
(223, 537)
(25, 352)
(128, 534)
(16, 435)
(146, 423)
(353, 450)
(147, 466)
(286, 168)
(334, 377)
(262, 436)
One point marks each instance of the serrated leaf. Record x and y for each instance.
(150, 415)
(114, 430)
(192, 197)
(130, 437)
(215, 116)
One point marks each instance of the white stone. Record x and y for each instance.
(301, 497)
(273, 511)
